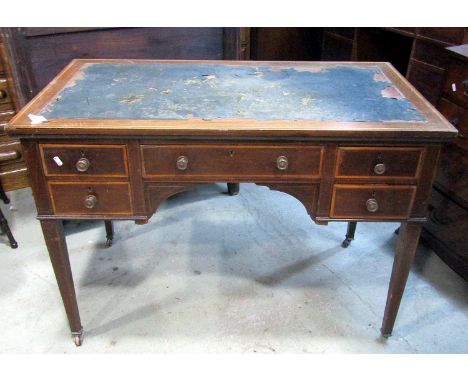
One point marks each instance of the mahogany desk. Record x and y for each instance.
(351, 141)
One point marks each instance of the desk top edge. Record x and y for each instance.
(436, 126)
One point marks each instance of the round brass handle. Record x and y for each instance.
(282, 163)
(372, 205)
(3, 94)
(90, 201)
(182, 162)
(380, 168)
(82, 165)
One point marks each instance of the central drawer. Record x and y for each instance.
(231, 162)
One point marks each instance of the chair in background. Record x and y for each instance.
(3, 222)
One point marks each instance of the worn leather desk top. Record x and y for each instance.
(351, 141)
(207, 97)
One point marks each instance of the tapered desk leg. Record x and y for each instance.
(233, 188)
(404, 256)
(109, 232)
(349, 234)
(58, 253)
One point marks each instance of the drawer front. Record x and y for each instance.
(90, 198)
(449, 35)
(378, 162)
(4, 92)
(372, 201)
(432, 54)
(10, 151)
(427, 79)
(231, 162)
(5, 116)
(84, 160)
(452, 173)
(448, 223)
(456, 83)
(457, 116)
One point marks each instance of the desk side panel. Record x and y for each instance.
(36, 177)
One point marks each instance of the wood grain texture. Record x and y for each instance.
(232, 162)
(435, 127)
(359, 162)
(404, 256)
(329, 167)
(104, 160)
(446, 228)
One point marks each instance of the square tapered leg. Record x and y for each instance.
(404, 256)
(58, 253)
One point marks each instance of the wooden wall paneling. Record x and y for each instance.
(18, 56)
(236, 43)
(302, 44)
(40, 53)
(50, 53)
(377, 44)
(338, 44)
(13, 174)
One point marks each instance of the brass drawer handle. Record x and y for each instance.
(380, 169)
(3, 94)
(82, 165)
(372, 205)
(282, 163)
(182, 163)
(90, 201)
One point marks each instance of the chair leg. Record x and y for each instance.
(3, 196)
(233, 188)
(6, 229)
(349, 234)
(109, 232)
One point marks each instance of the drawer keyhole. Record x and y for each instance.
(380, 168)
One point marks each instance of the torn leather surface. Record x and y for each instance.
(220, 91)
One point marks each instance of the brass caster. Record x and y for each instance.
(385, 336)
(109, 243)
(346, 242)
(78, 338)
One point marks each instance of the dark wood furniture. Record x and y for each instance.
(372, 159)
(12, 165)
(3, 222)
(37, 55)
(429, 61)
(447, 229)
(418, 53)
(34, 56)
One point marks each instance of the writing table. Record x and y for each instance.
(112, 139)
